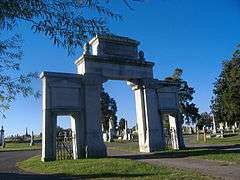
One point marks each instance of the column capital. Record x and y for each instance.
(142, 83)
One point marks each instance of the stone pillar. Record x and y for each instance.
(2, 138)
(226, 126)
(95, 146)
(49, 136)
(125, 133)
(78, 135)
(173, 131)
(32, 139)
(150, 126)
(110, 130)
(236, 125)
(214, 126)
(221, 129)
(180, 131)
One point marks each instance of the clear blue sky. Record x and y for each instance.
(193, 35)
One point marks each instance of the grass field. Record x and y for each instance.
(235, 139)
(19, 147)
(128, 148)
(225, 156)
(110, 168)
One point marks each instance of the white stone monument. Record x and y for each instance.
(125, 132)
(221, 128)
(173, 131)
(2, 140)
(111, 130)
(214, 131)
(226, 126)
(32, 139)
(78, 96)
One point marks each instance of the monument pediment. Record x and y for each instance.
(112, 45)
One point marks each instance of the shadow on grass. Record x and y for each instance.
(17, 176)
(187, 152)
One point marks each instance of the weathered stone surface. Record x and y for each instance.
(111, 45)
(114, 68)
(78, 95)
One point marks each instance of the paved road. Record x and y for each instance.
(9, 171)
(8, 160)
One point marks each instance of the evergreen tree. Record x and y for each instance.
(205, 119)
(122, 124)
(188, 109)
(109, 110)
(226, 101)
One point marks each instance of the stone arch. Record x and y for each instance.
(115, 58)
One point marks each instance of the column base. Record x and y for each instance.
(96, 151)
(46, 159)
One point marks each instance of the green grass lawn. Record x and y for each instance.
(223, 156)
(128, 148)
(226, 140)
(110, 168)
(229, 157)
(19, 147)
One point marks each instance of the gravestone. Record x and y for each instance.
(2, 139)
(32, 139)
(214, 131)
(125, 131)
(221, 128)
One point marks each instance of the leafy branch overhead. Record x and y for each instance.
(12, 81)
(68, 23)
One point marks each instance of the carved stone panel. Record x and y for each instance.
(65, 97)
(167, 100)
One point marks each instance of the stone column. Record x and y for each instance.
(125, 133)
(214, 126)
(78, 135)
(173, 131)
(92, 114)
(150, 126)
(221, 128)
(32, 139)
(110, 130)
(226, 126)
(49, 136)
(2, 138)
(180, 131)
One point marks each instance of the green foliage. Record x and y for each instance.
(188, 109)
(109, 110)
(226, 101)
(122, 124)
(68, 23)
(204, 120)
(12, 80)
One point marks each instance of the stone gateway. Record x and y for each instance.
(108, 57)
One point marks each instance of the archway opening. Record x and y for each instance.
(119, 124)
(64, 138)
